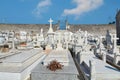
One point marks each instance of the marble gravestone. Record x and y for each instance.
(18, 65)
(68, 72)
(61, 56)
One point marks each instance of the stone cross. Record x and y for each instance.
(50, 21)
(114, 46)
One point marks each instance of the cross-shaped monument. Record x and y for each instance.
(114, 43)
(50, 29)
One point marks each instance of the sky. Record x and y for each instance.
(75, 11)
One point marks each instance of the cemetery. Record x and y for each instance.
(59, 55)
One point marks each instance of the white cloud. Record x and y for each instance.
(41, 7)
(83, 6)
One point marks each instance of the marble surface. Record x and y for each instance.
(15, 68)
(103, 71)
(40, 72)
(61, 56)
(24, 55)
(15, 72)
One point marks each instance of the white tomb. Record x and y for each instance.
(18, 66)
(61, 56)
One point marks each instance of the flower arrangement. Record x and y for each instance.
(54, 65)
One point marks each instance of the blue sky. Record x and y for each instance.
(76, 11)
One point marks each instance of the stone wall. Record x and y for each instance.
(99, 29)
(91, 28)
(26, 27)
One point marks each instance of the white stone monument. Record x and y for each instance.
(114, 43)
(50, 33)
(50, 29)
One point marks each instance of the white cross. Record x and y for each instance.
(114, 39)
(50, 21)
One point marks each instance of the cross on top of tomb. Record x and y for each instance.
(50, 21)
(115, 44)
(50, 29)
(115, 38)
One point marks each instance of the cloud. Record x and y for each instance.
(82, 6)
(42, 7)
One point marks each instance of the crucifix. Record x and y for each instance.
(50, 21)
(114, 43)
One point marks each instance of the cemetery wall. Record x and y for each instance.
(98, 29)
(91, 28)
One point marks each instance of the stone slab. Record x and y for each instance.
(20, 72)
(40, 72)
(61, 56)
(103, 71)
(23, 56)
